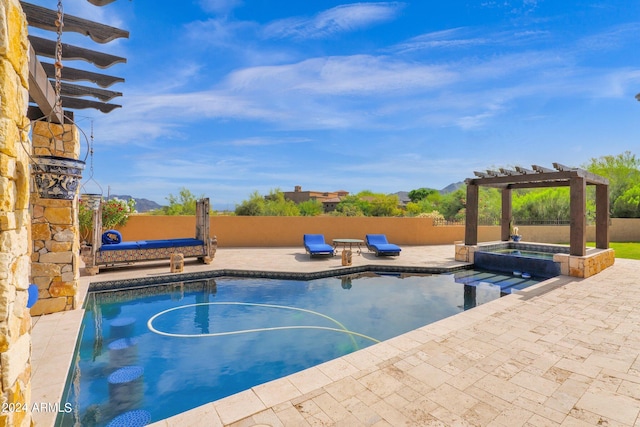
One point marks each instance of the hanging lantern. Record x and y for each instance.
(91, 200)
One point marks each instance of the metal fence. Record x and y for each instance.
(494, 221)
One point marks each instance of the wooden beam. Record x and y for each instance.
(41, 91)
(505, 229)
(602, 216)
(47, 48)
(512, 179)
(578, 226)
(45, 19)
(35, 113)
(471, 223)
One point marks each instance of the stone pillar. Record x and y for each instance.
(15, 321)
(55, 230)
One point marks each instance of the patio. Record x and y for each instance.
(563, 352)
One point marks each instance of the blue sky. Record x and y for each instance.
(225, 97)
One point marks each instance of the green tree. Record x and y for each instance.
(421, 193)
(549, 204)
(277, 205)
(274, 204)
(311, 208)
(490, 206)
(453, 204)
(349, 206)
(182, 204)
(628, 204)
(622, 170)
(255, 206)
(385, 205)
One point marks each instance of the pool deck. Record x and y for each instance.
(563, 352)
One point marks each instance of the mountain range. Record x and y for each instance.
(142, 205)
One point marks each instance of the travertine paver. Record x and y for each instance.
(565, 352)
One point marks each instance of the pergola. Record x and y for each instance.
(539, 177)
(41, 74)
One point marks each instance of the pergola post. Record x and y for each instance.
(505, 233)
(578, 203)
(471, 223)
(602, 217)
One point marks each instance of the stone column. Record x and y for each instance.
(55, 231)
(15, 321)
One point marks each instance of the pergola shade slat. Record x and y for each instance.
(74, 74)
(68, 89)
(47, 48)
(43, 18)
(100, 2)
(80, 104)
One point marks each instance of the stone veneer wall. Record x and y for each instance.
(15, 321)
(54, 228)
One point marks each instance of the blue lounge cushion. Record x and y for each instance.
(122, 246)
(379, 244)
(151, 244)
(185, 242)
(111, 237)
(315, 244)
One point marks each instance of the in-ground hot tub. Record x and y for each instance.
(524, 258)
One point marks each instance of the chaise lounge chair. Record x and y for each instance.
(378, 243)
(314, 244)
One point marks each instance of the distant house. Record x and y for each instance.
(329, 199)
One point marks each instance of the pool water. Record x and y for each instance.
(156, 352)
(524, 253)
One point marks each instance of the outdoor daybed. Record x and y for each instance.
(109, 249)
(378, 243)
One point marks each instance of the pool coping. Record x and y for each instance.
(112, 285)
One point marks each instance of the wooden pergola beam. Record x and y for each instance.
(505, 229)
(602, 217)
(578, 224)
(471, 212)
(40, 89)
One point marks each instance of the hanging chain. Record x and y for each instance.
(58, 64)
(91, 149)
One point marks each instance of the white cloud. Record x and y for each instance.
(340, 19)
(220, 6)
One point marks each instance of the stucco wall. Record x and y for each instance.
(236, 231)
(15, 320)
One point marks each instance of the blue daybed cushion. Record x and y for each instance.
(111, 237)
(124, 246)
(152, 244)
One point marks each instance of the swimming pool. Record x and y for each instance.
(166, 349)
